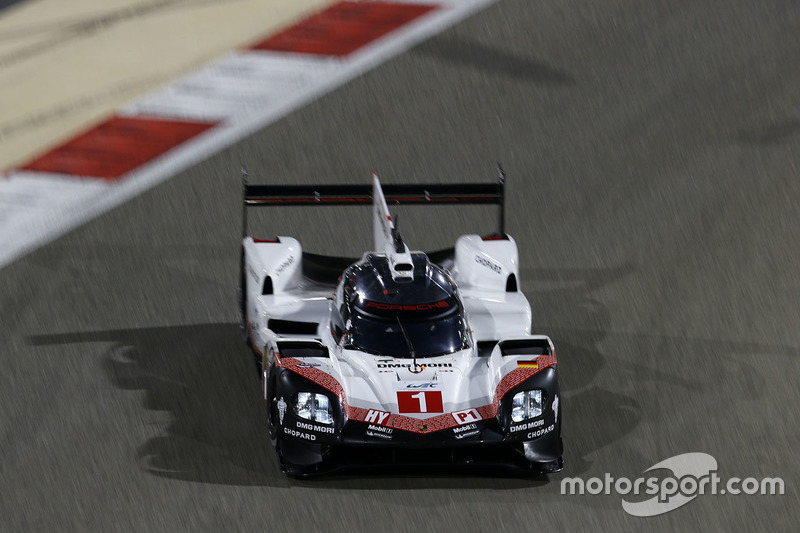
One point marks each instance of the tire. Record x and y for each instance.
(272, 410)
(298, 450)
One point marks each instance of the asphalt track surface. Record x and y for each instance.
(652, 153)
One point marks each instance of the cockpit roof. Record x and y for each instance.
(369, 285)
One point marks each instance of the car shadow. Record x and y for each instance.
(203, 376)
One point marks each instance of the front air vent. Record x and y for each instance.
(302, 349)
(292, 327)
(525, 347)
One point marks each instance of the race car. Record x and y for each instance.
(398, 357)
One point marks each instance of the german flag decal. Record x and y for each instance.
(527, 364)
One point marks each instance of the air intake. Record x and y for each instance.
(511, 284)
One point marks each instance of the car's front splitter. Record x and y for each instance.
(485, 450)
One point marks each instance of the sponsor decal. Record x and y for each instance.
(539, 432)
(380, 435)
(283, 266)
(312, 427)
(376, 417)
(388, 363)
(379, 431)
(411, 385)
(526, 425)
(494, 267)
(308, 365)
(555, 407)
(299, 434)
(460, 436)
(462, 429)
(424, 401)
(466, 416)
(527, 364)
(281, 409)
(397, 307)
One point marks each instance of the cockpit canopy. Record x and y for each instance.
(393, 316)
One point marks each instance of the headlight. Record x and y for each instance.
(525, 405)
(313, 406)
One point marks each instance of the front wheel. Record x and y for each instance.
(296, 458)
(273, 415)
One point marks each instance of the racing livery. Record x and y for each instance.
(399, 357)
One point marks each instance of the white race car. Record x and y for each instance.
(399, 357)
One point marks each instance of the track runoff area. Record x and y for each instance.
(150, 140)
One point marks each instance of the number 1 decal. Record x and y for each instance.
(423, 408)
(428, 401)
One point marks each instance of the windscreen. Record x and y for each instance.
(432, 337)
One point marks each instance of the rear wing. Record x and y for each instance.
(404, 194)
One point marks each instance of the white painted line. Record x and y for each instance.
(235, 86)
(33, 205)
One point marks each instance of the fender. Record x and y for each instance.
(272, 267)
(491, 264)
